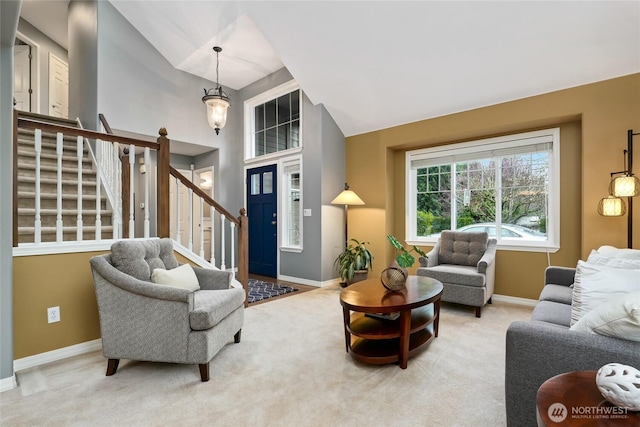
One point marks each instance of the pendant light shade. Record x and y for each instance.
(217, 101)
(611, 206)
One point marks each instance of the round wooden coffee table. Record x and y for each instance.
(374, 338)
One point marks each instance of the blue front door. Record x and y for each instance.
(262, 211)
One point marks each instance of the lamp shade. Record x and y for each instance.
(347, 197)
(611, 206)
(625, 186)
(217, 105)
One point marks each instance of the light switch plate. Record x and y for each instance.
(306, 212)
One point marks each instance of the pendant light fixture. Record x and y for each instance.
(216, 100)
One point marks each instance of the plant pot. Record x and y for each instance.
(358, 276)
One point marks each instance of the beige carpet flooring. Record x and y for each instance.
(290, 369)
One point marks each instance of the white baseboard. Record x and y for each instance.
(55, 355)
(7, 384)
(305, 281)
(515, 300)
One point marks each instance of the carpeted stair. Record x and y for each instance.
(48, 189)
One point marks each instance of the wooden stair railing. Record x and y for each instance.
(164, 171)
(241, 223)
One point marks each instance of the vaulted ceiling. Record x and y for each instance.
(378, 64)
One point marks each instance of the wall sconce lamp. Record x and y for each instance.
(216, 100)
(347, 197)
(623, 184)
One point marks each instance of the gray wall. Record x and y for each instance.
(323, 178)
(333, 178)
(83, 62)
(9, 13)
(45, 46)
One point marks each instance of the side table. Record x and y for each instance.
(573, 399)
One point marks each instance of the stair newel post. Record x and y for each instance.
(243, 253)
(163, 184)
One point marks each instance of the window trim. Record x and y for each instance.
(552, 244)
(283, 203)
(251, 103)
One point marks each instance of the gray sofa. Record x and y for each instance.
(141, 320)
(544, 347)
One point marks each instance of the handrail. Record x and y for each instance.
(74, 131)
(104, 122)
(187, 183)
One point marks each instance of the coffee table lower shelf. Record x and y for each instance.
(386, 351)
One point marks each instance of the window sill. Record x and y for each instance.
(501, 246)
(273, 156)
(290, 249)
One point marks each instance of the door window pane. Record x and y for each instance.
(255, 184)
(267, 183)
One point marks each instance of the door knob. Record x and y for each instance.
(274, 222)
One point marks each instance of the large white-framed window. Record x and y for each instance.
(508, 186)
(291, 219)
(273, 122)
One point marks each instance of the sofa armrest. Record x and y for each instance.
(210, 279)
(488, 257)
(431, 260)
(559, 275)
(537, 351)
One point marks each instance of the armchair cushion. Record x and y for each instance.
(458, 274)
(210, 307)
(460, 248)
(179, 277)
(140, 258)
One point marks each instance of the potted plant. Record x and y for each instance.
(354, 262)
(403, 256)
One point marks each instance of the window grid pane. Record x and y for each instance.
(277, 124)
(515, 186)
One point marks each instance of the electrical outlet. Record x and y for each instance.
(53, 314)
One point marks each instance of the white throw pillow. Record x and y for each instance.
(624, 253)
(180, 277)
(595, 257)
(595, 284)
(619, 318)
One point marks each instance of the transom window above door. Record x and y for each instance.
(273, 122)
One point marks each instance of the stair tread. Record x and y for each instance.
(31, 194)
(65, 229)
(47, 211)
(32, 179)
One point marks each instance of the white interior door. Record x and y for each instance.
(21, 77)
(58, 87)
(184, 210)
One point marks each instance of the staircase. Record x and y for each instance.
(70, 214)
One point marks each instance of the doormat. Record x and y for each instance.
(259, 290)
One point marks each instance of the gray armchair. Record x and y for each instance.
(141, 320)
(465, 264)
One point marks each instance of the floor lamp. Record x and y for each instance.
(347, 198)
(625, 184)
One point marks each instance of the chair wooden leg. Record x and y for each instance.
(112, 366)
(478, 311)
(236, 337)
(204, 372)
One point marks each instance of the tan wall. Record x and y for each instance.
(594, 120)
(46, 281)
